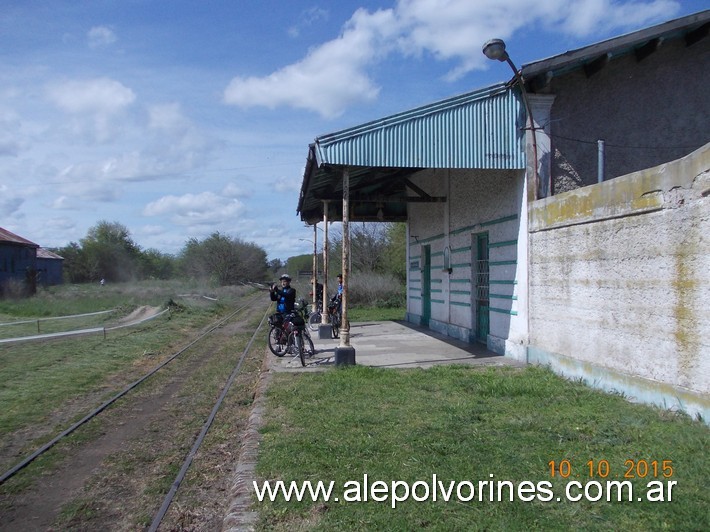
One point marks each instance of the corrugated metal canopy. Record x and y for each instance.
(480, 129)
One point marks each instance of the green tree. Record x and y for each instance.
(375, 247)
(223, 260)
(395, 255)
(109, 252)
(74, 267)
(299, 263)
(157, 265)
(275, 265)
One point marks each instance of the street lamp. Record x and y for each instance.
(495, 49)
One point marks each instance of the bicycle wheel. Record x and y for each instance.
(308, 347)
(335, 325)
(296, 340)
(277, 341)
(314, 321)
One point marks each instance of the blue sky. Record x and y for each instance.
(180, 118)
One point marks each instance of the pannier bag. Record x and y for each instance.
(297, 320)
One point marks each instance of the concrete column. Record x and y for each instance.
(324, 331)
(315, 263)
(345, 353)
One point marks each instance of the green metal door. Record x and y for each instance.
(481, 292)
(426, 285)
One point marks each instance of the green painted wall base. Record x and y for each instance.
(634, 389)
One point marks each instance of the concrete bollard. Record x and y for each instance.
(345, 356)
(325, 332)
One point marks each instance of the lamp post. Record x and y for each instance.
(495, 49)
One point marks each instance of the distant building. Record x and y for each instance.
(49, 268)
(18, 263)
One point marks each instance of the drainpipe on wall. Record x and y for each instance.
(600, 161)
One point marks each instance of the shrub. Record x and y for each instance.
(375, 290)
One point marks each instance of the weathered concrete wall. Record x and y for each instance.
(477, 201)
(620, 280)
(647, 112)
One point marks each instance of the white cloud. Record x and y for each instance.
(584, 17)
(308, 18)
(329, 78)
(102, 96)
(167, 117)
(205, 208)
(151, 230)
(97, 107)
(163, 146)
(101, 36)
(455, 30)
(286, 184)
(63, 203)
(233, 191)
(335, 74)
(62, 223)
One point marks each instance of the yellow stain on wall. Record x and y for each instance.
(635, 193)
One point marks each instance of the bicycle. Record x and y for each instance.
(314, 319)
(277, 337)
(334, 316)
(288, 334)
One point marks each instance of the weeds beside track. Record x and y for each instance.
(163, 407)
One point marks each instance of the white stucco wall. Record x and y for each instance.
(477, 201)
(620, 280)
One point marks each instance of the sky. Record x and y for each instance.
(179, 119)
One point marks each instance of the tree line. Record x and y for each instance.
(375, 248)
(109, 252)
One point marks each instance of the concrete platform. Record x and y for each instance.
(394, 344)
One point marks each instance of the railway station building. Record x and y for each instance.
(561, 217)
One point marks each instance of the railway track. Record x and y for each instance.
(151, 418)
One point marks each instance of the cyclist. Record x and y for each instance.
(285, 296)
(337, 298)
(340, 285)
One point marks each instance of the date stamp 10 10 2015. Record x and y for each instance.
(630, 469)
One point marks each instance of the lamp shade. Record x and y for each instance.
(495, 49)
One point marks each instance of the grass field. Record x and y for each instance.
(40, 378)
(462, 424)
(125, 460)
(474, 424)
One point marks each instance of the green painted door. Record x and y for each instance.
(426, 285)
(481, 279)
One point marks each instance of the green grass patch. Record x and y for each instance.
(466, 424)
(47, 385)
(68, 299)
